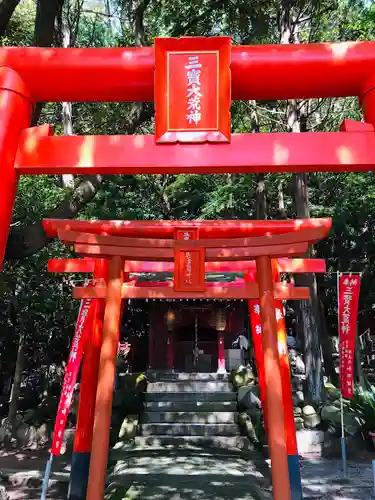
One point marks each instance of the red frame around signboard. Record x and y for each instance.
(211, 59)
(181, 256)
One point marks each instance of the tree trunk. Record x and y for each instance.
(308, 317)
(308, 312)
(16, 386)
(230, 197)
(26, 241)
(281, 208)
(261, 196)
(47, 12)
(7, 7)
(67, 109)
(326, 340)
(261, 199)
(358, 364)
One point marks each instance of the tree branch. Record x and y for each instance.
(26, 241)
(7, 7)
(139, 30)
(103, 14)
(46, 14)
(184, 29)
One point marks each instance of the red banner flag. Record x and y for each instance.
(348, 295)
(83, 326)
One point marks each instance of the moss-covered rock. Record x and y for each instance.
(331, 415)
(242, 376)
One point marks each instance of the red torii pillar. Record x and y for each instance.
(272, 375)
(15, 112)
(86, 408)
(290, 430)
(107, 370)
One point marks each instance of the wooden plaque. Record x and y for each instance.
(189, 275)
(192, 89)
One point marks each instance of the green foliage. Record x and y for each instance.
(36, 195)
(20, 30)
(363, 404)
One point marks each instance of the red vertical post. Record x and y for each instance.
(107, 370)
(290, 431)
(290, 427)
(256, 335)
(220, 352)
(15, 113)
(274, 396)
(86, 408)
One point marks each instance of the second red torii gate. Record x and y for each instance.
(136, 248)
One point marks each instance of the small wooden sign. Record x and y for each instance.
(192, 89)
(189, 272)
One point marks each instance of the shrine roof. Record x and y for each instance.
(167, 228)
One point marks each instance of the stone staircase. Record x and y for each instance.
(190, 410)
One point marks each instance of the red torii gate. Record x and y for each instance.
(29, 75)
(190, 138)
(99, 241)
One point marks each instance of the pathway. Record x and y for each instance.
(162, 475)
(186, 475)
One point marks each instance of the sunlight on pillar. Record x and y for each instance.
(345, 155)
(339, 50)
(86, 154)
(280, 154)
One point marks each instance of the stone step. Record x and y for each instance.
(196, 406)
(160, 376)
(189, 386)
(211, 397)
(199, 417)
(189, 430)
(223, 443)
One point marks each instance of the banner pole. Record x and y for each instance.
(47, 474)
(67, 390)
(343, 444)
(342, 440)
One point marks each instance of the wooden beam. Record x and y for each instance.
(307, 235)
(261, 72)
(249, 253)
(283, 291)
(284, 265)
(138, 253)
(98, 239)
(212, 254)
(290, 238)
(246, 153)
(166, 229)
(85, 265)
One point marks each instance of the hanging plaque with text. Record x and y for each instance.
(189, 270)
(192, 89)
